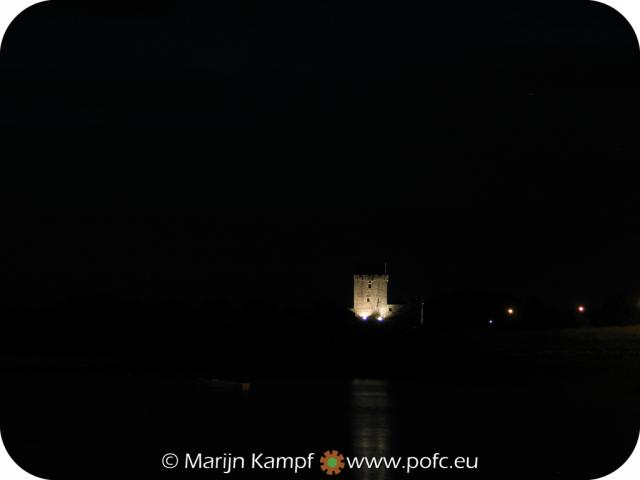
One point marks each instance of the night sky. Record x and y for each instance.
(250, 150)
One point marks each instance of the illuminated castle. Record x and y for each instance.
(370, 288)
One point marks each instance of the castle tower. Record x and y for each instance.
(370, 295)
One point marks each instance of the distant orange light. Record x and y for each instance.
(510, 311)
(581, 309)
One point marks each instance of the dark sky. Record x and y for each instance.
(245, 149)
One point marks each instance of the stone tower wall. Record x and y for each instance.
(370, 295)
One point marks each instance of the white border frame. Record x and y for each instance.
(10, 9)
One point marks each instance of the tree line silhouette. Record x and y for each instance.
(261, 335)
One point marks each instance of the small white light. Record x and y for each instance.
(364, 317)
(380, 319)
(490, 322)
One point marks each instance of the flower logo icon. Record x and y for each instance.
(332, 462)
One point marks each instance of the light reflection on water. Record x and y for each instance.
(370, 419)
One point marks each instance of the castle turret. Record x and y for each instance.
(370, 289)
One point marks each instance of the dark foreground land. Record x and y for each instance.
(555, 404)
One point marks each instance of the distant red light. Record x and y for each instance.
(581, 309)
